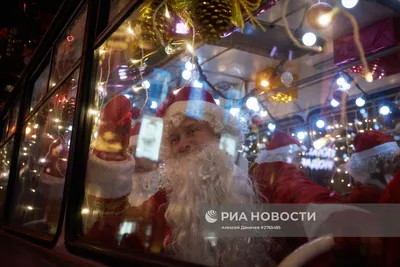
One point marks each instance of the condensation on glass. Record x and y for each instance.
(125, 172)
(43, 159)
(5, 161)
(68, 50)
(40, 88)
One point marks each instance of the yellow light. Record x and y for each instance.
(264, 83)
(85, 211)
(369, 78)
(29, 208)
(167, 15)
(93, 112)
(28, 130)
(189, 47)
(325, 20)
(130, 31)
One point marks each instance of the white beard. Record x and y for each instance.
(144, 185)
(209, 177)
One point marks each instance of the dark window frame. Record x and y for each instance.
(70, 11)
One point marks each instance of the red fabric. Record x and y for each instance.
(281, 139)
(184, 94)
(136, 112)
(377, 37)
(391, 194)
(116, 118)
(283, 183)
(370, 139)
(364, 194)
(151, 212)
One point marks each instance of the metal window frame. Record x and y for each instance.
(68, 11)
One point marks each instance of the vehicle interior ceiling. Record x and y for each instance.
(235, 61)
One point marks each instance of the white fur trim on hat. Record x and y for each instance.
(51, 187)
(362, 164)
(109, 179)
(208, 112)
(284, 154)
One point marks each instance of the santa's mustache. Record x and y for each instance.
(207, 176)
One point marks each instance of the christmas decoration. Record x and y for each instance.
(256, 119)
(319, 16)
(287, 78)
(152, 28)
(269, 80)
(213, 18)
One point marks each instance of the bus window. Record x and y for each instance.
(14, 118)
(5, 160)
(116, 6)
(43, 159)
(40, 88)
(181, 117)
(68, 50)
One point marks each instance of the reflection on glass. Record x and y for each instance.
(244, 99)
(116, 6)
(14, 118)
(43, 161)
(40, 88)
(5, 161)
(68, 50)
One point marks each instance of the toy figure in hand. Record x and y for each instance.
(147, 178)
(107, 192)
(371, 166)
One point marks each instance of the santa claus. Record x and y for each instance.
(371, 165)
(197, 172)
(277, 174)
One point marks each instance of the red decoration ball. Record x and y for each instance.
(256, 119)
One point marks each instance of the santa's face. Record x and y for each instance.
(189, 136)
(199, 173)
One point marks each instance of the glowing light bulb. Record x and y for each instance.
(360, 102)
(271, 126)
(252, 103)
(234, 111)
(264, 83)
(334, 103)
(320, 124)
(309, 39)
(146, 84)
(349, 3)
(186, 74)
(384, 110)
(189, 65)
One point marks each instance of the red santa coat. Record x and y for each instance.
(290, 186)
(391, 194)
(283, 183)
(364, 194)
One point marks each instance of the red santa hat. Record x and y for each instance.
(113, 134)
(199, 104)
(371, 147)
(281, 148)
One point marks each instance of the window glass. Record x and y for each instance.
(5, 157)
(178, 124)
(14, 118)
(43, 159)
(116, 6)
(40, 87)
(68, 50)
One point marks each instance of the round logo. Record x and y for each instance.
(211, 216)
